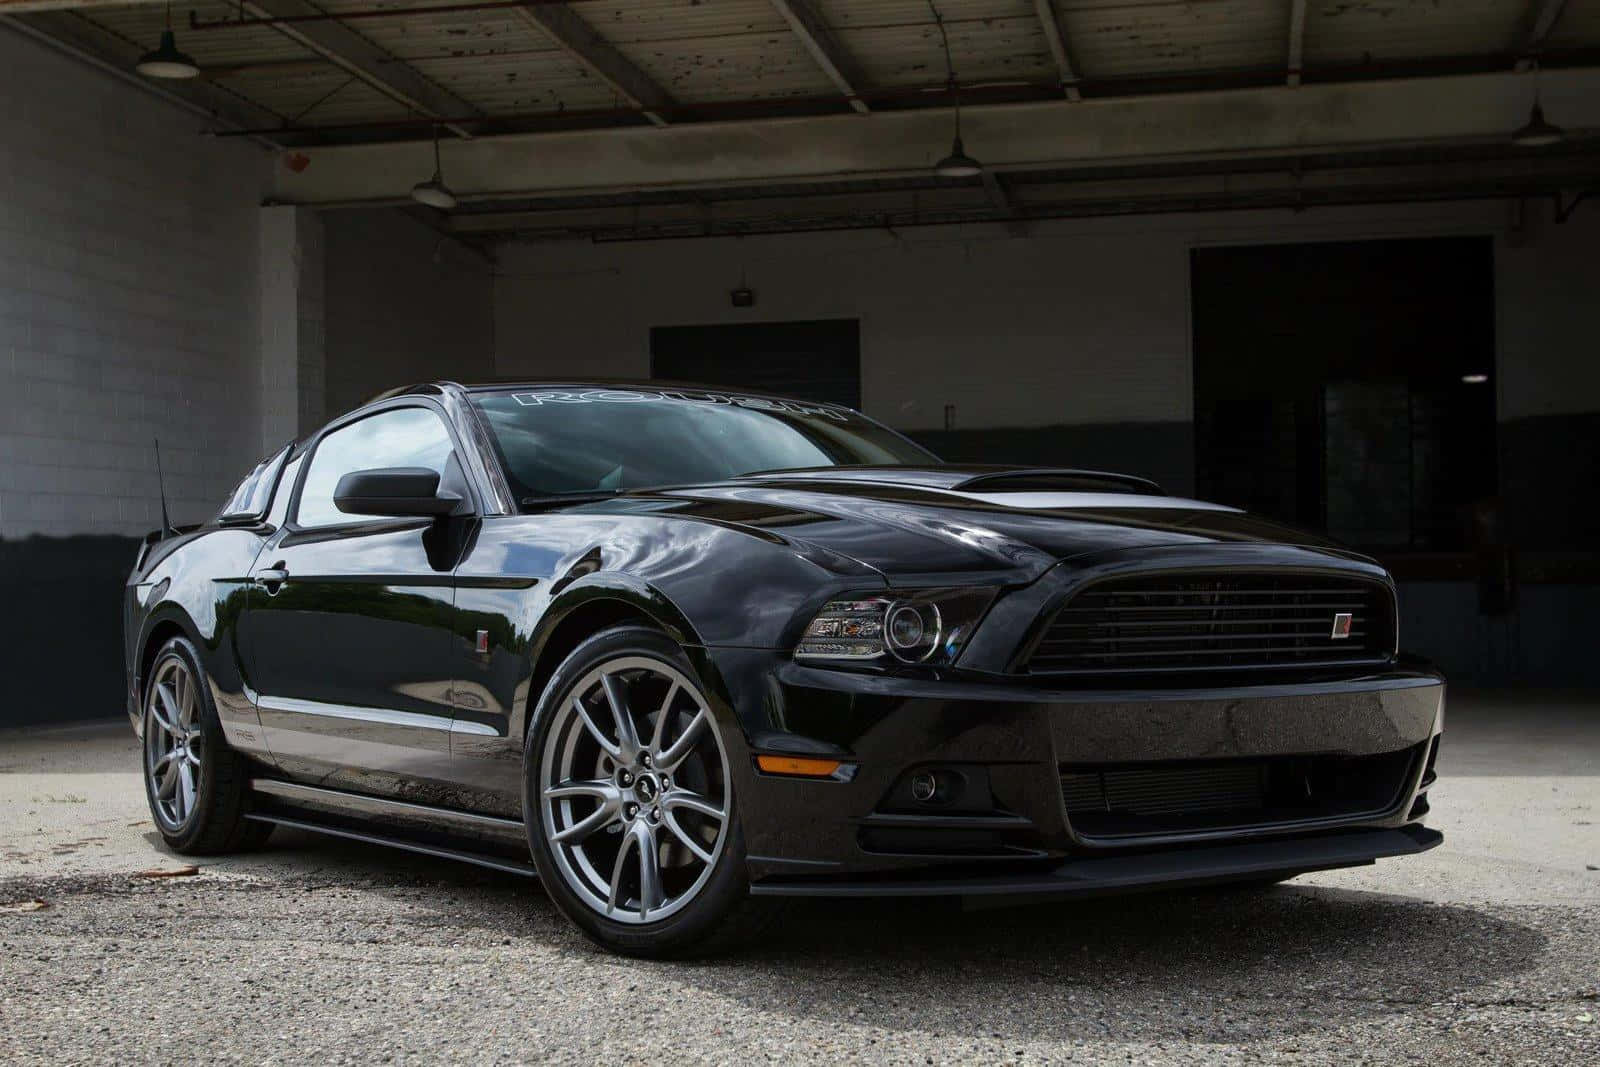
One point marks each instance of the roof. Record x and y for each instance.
(625, 384)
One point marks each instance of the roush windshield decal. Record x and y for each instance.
(636, 396)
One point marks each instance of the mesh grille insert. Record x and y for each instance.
(1206, 621)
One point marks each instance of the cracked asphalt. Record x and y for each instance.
(1486, 950)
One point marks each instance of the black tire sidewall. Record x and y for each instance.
(213, 749)
(728, 886)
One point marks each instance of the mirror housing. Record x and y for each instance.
(394, 491)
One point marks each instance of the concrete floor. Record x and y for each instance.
(1485, 950)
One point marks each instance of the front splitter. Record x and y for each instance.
(1166, 869)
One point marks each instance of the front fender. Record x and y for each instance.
(201, 590)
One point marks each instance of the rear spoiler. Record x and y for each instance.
(1058, 479)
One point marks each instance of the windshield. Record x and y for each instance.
(564, 441)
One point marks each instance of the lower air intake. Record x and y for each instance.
(1129, 800)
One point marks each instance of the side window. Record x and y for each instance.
(399, 437)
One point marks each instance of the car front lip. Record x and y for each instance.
(1167, 869)
(883, 726)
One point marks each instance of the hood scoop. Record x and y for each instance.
(969, 477)
(1059, 480)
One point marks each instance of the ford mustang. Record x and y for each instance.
(681, 653)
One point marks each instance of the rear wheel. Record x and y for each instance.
(196, 785)
(629, 801)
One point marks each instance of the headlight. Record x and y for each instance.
(926, 626)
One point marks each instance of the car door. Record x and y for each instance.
(352, 615)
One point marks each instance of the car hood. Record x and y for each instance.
(918, 522)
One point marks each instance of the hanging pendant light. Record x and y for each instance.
(1537, 132)
(957, 164)
(166, 61)
(434, 192)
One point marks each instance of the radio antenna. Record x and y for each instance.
(161, 486)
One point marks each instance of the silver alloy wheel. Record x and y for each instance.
(634, 790)
(173, 742)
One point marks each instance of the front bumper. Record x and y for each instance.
(858, 833)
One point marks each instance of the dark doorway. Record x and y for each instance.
(819, 360)
(1349, 387)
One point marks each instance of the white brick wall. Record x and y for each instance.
(127, 301)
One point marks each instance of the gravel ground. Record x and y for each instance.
(1486, 950)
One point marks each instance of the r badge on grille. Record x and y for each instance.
(1341, 626)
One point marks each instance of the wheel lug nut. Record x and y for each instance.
(647, 759)
(655, 814)
(633, 809)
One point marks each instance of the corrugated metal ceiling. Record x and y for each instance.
(712, 53)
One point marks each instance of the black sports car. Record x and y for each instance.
(680, 651)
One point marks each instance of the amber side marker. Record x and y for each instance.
(799, 766)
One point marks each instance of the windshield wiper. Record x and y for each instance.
(540, 503)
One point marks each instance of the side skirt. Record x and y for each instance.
(466, 837)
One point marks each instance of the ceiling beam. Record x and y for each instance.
(600, 57)
(1129, 193)
(1055, 35)
(81, 37)
(1536, 26)
(818, 39)
(348, 49)
(1312, 118)
(18, 7)
(1297, 41)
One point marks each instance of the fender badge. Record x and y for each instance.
(482, 645)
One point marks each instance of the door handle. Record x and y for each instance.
(271, 578)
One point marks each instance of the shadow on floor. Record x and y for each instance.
(1214, 965)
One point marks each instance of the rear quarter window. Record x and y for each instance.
(250, 499)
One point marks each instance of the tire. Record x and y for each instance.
(197, 787)
(597, 804)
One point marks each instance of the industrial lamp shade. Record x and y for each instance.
(434, 193)
(1538, 132)
(166, 61)
(958, 164)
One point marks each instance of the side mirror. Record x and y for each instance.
(398, 491)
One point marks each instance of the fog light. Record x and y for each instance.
(924, 787)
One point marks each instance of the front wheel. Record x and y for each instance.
(629, 802)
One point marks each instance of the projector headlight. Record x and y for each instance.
(925, 626)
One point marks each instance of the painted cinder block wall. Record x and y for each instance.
(144, 292)
(128, 295)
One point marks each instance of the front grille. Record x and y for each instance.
(1216, 621)
(1120, 800)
